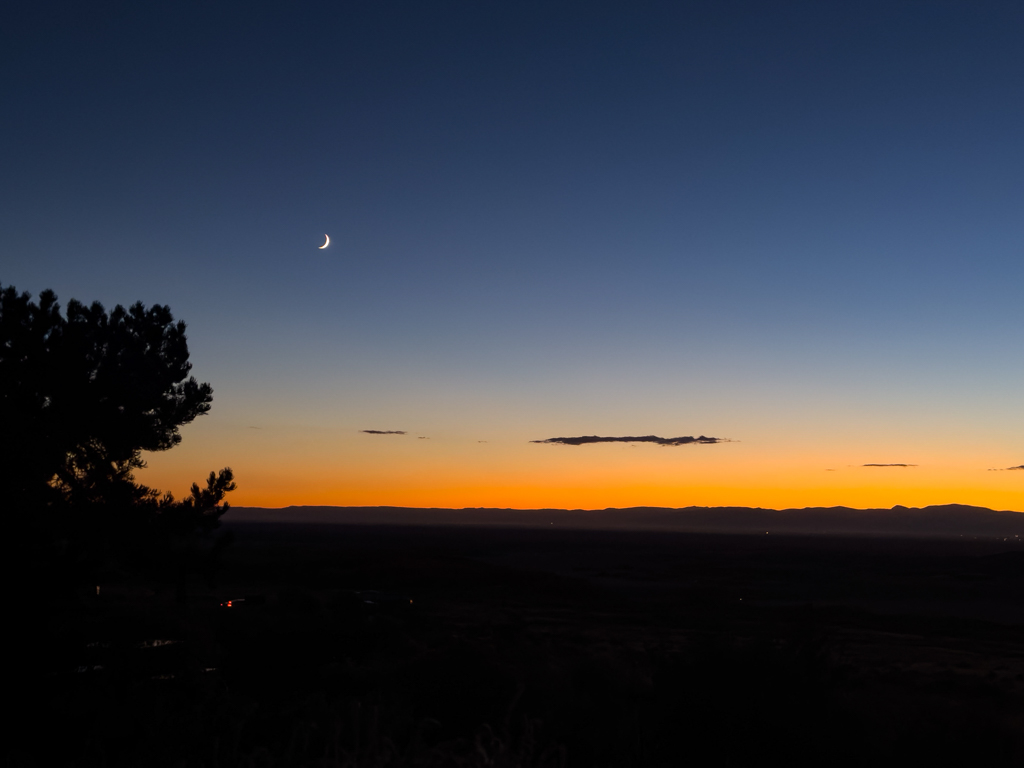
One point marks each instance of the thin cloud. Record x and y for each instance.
(667, 441)
(1006, 469)
(382, 431)
(888, 465)
(421, 437)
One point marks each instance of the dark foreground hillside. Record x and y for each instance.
(391, 646)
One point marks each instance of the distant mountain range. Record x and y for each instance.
(948, 520)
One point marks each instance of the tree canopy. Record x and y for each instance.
(82, 395)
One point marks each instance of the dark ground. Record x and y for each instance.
(542, 647)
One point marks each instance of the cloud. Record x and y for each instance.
(1006, 469)
(688, 440)
(421, 437)
(382, 431)
(888, 465)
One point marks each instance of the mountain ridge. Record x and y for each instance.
(942, 520)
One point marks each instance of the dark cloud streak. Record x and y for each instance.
(888, 465)
(667, 441)
(382, 431)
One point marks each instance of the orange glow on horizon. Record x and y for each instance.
(575, 498)
(305, 468)
(629, 485)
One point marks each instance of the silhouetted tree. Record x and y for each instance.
(81, 396)
(183, 524)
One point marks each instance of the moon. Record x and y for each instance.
(326, 243)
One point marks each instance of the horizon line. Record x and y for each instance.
(610, 509)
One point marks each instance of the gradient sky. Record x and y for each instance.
(798, 226)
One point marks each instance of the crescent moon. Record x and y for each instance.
(326, 243)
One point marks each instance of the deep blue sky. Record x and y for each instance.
(740, 218)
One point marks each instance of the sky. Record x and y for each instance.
(795, 227)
